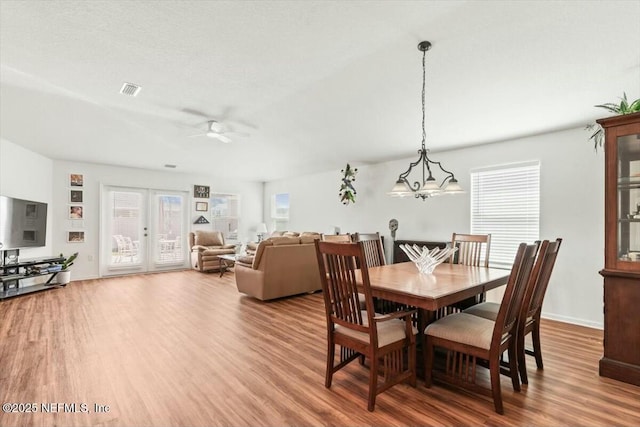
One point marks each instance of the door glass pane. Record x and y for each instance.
(629, 198)
(126, 224)
(169, 226)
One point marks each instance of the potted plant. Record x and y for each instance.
(64, 275)
(623, 108)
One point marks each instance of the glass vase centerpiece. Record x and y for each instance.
(427, 259)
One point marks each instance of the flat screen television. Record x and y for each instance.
(23, 223)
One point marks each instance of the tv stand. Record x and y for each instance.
(13, 273)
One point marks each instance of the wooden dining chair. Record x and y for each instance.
(343, 238)
(387, 341)
(467, 338)
(473, 249)
(373, 249)
(529, 317)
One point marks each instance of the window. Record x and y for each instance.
(280, 211)
(505, 202)
(225, 214)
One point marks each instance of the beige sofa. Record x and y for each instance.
(205, 248)
(253, 246)
(281, 266)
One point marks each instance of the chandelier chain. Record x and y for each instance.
(424, 72)
(428, 186)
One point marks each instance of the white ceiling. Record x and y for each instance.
(314, 83)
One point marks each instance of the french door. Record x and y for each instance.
(143, 230)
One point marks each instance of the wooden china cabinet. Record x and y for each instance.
(621, 360)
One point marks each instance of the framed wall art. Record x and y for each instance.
(202, 206)
(75, 236)
(201, 191)
(75, 196)
(76, 212)
(76, 180)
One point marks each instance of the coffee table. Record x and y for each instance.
(226, 262)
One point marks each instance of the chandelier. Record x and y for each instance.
(428, 187)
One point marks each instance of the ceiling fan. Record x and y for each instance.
(216, 130)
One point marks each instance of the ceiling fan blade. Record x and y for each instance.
(197, 134)
(194, 112)
(219, 137)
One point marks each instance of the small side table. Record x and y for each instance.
(226, 262)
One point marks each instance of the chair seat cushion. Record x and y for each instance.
(388, 332)
(463, 328)
(218, 251)
(488, 310)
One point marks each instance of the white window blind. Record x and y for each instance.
(505, 202)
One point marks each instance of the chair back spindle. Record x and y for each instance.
(373, 249)
(470, 249)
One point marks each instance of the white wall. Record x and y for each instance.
(96, 175)
(27, 175)
(572, 207)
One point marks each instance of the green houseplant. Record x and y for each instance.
(624, 107)
(64, 275)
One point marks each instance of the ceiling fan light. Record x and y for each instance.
(215, 126)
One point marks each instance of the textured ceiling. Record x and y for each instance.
(309, 84)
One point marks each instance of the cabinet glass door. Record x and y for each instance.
(628, 147)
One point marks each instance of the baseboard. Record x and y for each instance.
(573, 320)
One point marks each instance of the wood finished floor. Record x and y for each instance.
(186, 349)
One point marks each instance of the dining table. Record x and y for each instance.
(448, 284)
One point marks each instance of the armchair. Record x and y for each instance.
(205, 248)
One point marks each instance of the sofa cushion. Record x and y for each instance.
(279, 241)
(245, 259)
(309, 238)
(260, 251)
(291, 234)
(218, 251)
(208, 238)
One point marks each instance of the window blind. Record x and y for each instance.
(505, 202)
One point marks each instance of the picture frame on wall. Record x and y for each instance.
(201, 191)
(76, 180)
(31, 211)
(76, 212)
(75, 236)
(202, 206)
(75, 196)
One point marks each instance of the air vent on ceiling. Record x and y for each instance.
(170, 166)
(130, 89)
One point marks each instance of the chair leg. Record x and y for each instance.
(513, 365)
(411, 360)
(522, 362)
(373, 382)
(428, 362)
(331, 352)
(494, 368)
(537, 352)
